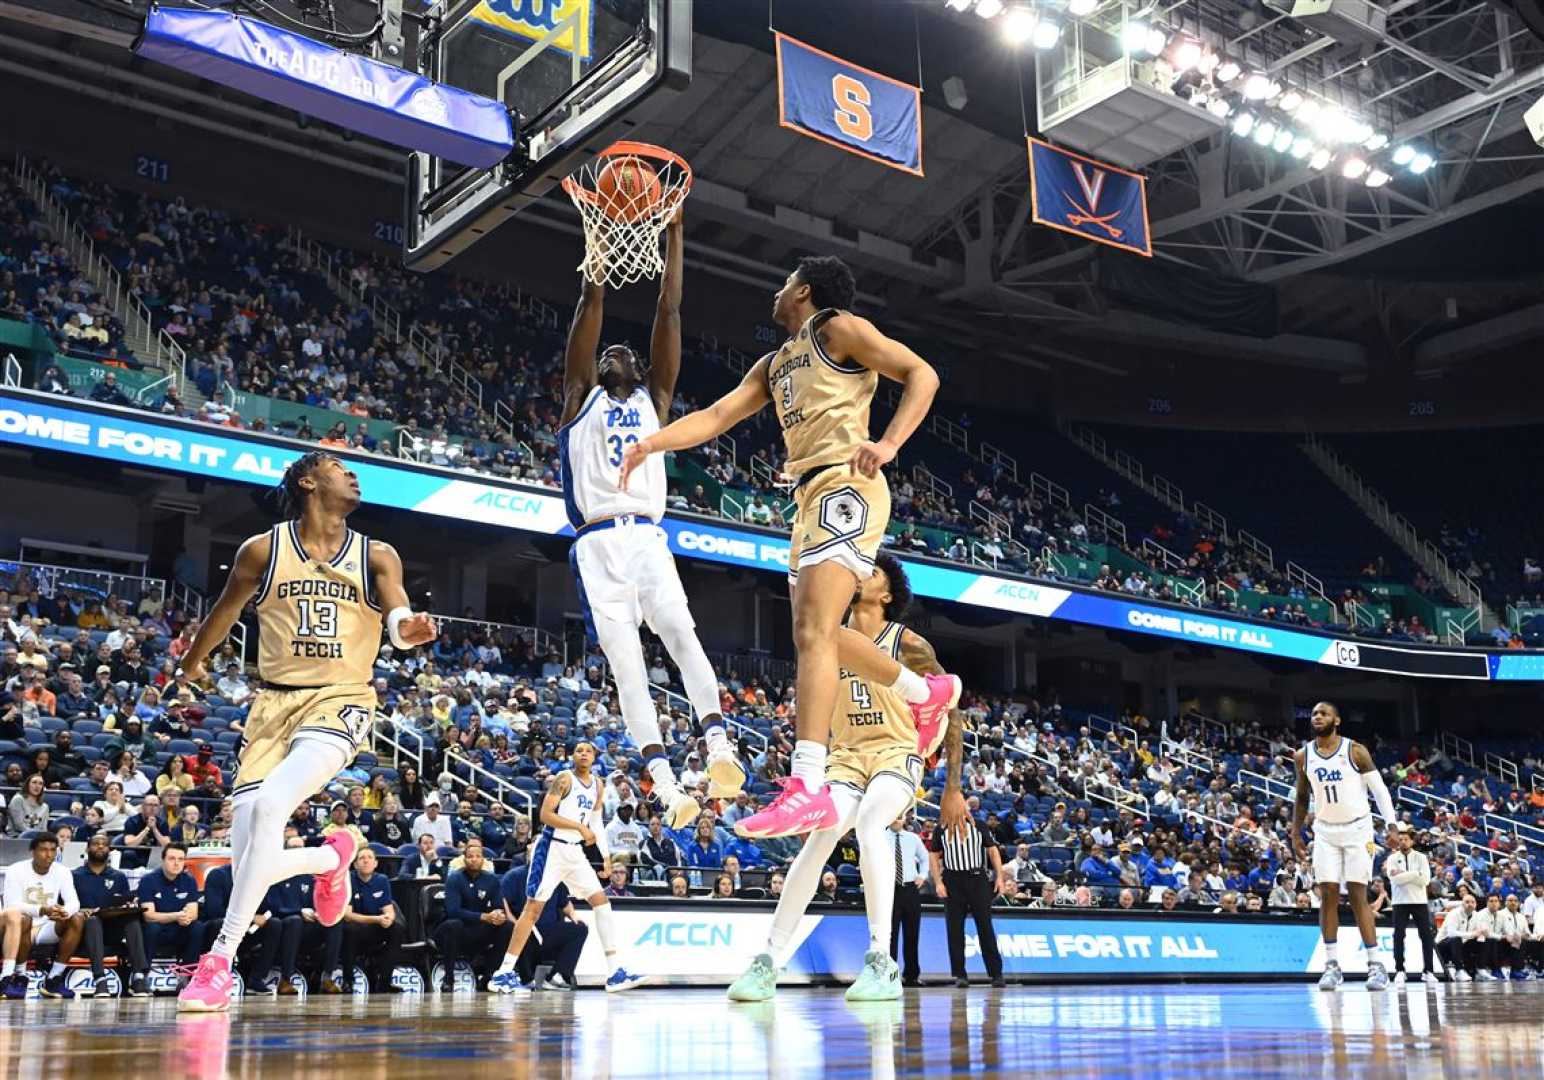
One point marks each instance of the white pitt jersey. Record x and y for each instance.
(581, 804)
(1339, 792)
(591, 446)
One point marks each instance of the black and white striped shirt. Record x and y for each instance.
(968, 855)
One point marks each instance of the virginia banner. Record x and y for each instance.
(1079, 195)
(851, 107)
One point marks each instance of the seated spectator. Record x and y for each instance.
(659, 852)
(168, 900)
(108, 392)
(617, 886)
(476, 926)
(300, 932)
(202, 766)
(723, 888)
(112, 917)
(39, 907)
(372, 928)
(113, 808)
(433, 823)
(389, 826)
(174, 774)
(424, 864)
(259, 949)
(27, 809)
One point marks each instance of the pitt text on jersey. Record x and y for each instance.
(1327, 776)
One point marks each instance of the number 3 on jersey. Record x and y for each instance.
(619, 445)
(318, 618)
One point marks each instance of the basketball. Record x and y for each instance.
(629, 188)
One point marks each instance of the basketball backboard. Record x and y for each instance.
(576, 76)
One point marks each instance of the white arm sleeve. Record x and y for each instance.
(14, 893)
(1380, 794)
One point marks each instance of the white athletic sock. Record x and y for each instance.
(259, 821)
(7, 968)
(663, 776)
(605, 929)
(717, 739)
(1331, 952)
(507, 965)
(799, 887)
(1375, 955)
(809, 763)
(911, 686)
(57, 970)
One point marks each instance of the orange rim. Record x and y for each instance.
(627, 148)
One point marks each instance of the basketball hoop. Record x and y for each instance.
(623, 221)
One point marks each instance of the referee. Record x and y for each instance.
(969, 871)
(1409, 873)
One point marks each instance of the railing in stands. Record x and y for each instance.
(1259, 548)
(1168, 492)
(1310, 584)
(500, 788)
(769, 669)
(1531, 835)
(1459, 749)
(542, 641)
(948, 431)
(143, 339)
(1112, 527)
(683, 703)
(1191, 759)
(1104, 725)
(1196, 815)
(12, 370)
(1118, 797)
(1210, 519)
(1502, 768)
(1425, 800)
(1000, 459)
(973, 744)
(1457, 631)
(985, 515)
(1162, 556)
(923, 477)
(1360, 615)
(1049, 491)
(1268, 785)
(188, 599)
(238, 638)
(401, 753)
(49, 578)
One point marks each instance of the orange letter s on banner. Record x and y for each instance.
(852, 100)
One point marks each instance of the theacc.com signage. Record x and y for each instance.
(703, 942)
(51, 423)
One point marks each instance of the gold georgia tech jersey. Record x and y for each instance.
(822, 404)
(319, 623)
(870, 716)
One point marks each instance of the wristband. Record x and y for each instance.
(394, 623)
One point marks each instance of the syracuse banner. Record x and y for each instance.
(1088, 198)
(851, 107)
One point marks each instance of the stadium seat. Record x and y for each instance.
(86, 727)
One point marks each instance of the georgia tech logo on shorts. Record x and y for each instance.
(843, 512)
(1347, 654)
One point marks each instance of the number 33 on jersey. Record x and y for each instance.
(861, 111)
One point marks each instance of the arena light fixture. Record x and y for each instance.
(989, 9)
(1187, 55)
(1327, 125)
(1321, 158)
(1219, 107)
(1308, 111)
(1377, 141)
(1257, 87)
(1243, 124)
(958, 5)
(1047, 34)
(1019, 26)
(1157, 41)
(1284, 140)
(1290, 102)
(1376, 178)
(1080, 8)
(1353, 168)
(1227, 71)
(1360, 131)
(1264, 133)
(1421, 162)
(1134, 37)
(1302, 146)
(1404, 155)
(1208, 62)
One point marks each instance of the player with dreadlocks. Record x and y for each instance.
(320, 589)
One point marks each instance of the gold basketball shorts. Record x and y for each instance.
(278, 717)
(842, 517)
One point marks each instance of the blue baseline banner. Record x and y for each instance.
(851, 107)
(318, 80)
(52, 423)
(1088, 198)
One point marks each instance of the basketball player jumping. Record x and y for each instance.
(1340, 775)
(821, 382)
(874, 772)
(571, 813)
(620, 554)
(319, 588)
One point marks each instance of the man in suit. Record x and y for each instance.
(911, 875)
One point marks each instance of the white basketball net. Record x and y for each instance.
(622, 234)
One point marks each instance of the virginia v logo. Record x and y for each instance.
(1091, 180)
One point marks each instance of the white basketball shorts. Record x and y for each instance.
(554, 860)
(626, 573)
(1341, 854)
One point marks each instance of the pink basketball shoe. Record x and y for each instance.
(210, 988)
(932, 715)
(333, 892)
(795, 811)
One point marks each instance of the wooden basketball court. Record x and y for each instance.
(1218, 1031)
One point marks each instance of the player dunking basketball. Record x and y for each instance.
(620, 554)
(319, 588)
(1340, 775)
(874, 769)
(821, 382)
